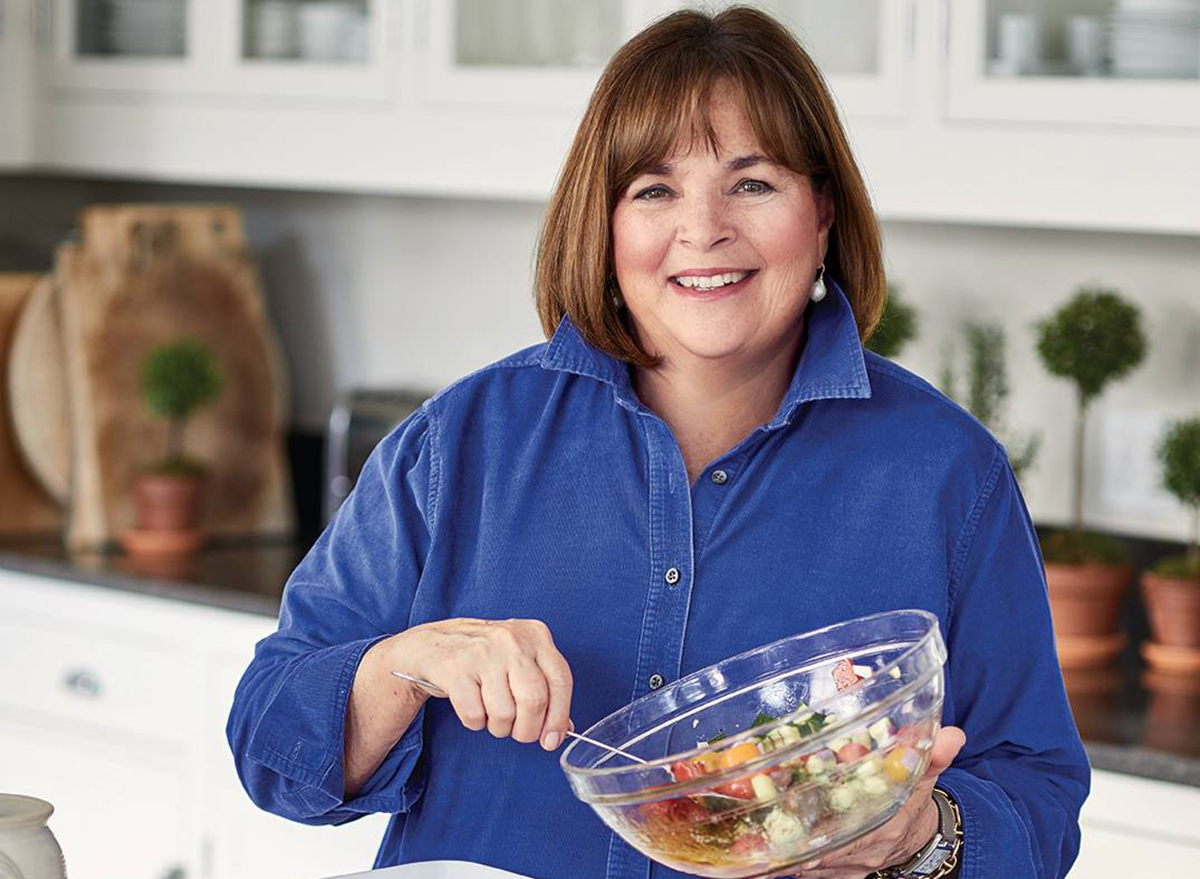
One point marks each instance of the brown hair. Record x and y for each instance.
(656, 84)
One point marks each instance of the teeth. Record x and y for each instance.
(711, 282)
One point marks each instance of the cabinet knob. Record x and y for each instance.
(174, 872)
(82, 682)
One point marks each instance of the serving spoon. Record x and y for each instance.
(434, 690)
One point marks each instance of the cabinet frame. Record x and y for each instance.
(974, 96)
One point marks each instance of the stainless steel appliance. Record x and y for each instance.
(361, 417)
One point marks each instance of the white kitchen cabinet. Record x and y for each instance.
(1135, 828)
(120, 811)
(16, 85)
(469, 98)
(113, 707)
(534, 54)
(231, 51)
(865, 48)
(1113, 63)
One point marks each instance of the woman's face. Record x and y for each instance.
(737, 213)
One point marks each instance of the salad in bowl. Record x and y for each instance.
(774, 756)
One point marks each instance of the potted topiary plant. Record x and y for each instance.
(1172, 588)
(1092, 340)
(176, 379)
(896, 328)
(987, 389)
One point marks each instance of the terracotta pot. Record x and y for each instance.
(1173, 606)
(168, 503)
(1085, 600)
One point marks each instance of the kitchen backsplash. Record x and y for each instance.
(387, 290)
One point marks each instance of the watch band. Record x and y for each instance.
(939, 856)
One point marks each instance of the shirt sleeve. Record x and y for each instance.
(355, 587)
(1023, 775)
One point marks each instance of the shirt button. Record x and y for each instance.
(672, 576)
(656, 681)
(719, 477)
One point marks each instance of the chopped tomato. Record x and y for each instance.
(748, 845)
(741, 788)
(850, 752)
(686, 770)
(677, 809)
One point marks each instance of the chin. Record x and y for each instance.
(712, 347)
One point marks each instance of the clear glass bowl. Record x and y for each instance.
(774, 756)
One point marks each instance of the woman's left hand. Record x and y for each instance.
(904, 833)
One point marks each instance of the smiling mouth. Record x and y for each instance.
(712, 287)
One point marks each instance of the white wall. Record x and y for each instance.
(390, 290)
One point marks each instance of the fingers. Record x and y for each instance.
(467, 702)
(531, 695)
(498, 701)
(559, 685)
(949, 741)
(503, 675)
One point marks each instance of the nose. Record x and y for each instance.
(705, 222)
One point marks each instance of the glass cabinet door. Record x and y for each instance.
(1120, 62)
(532, 52)
(130, 28)
(322, 31)
(136, 45)
(312, 48)
(863, 47)
(292, 48)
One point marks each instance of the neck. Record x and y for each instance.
(712, 405)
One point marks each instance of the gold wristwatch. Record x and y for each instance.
(940, 855)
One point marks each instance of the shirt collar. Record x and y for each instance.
(830, 368)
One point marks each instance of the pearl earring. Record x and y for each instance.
(818, 290)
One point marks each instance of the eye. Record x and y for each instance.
(647, 194)
(759, 187)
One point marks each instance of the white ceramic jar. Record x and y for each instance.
(28, 850)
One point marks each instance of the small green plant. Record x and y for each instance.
(176, 379)
(987, 389)
(1092, 340)
(1179, 454)
(897, 326)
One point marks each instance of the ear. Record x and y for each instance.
(825, 209)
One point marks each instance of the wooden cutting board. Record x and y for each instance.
(26, 508)
(143, 276)
(37, 382)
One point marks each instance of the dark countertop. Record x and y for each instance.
(246, 577)
(1132, 720)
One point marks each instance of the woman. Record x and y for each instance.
(700, 460)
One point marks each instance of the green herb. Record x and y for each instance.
(762, 719)
(810, 725)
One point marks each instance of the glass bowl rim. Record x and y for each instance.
(709, 779)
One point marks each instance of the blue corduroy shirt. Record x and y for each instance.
(541, 487)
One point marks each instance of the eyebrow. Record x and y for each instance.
(737, 164)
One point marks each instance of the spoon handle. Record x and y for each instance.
(436, 691)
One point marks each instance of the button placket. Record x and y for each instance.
(660, 651)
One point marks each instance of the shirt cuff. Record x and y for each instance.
(301, 738)
(995, 841)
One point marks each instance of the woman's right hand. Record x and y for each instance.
(505, 675)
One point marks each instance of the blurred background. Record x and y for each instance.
(339, 201)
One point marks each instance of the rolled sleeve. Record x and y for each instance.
(354, 588)
(1023, 775)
